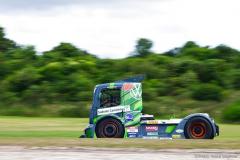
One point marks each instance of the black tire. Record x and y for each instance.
(109, 128)
(198, 128)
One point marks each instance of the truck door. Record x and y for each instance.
(131, 95)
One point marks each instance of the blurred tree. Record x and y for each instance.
(212, 70)
(143, 47)
(5, 44)
(190, 44)
(68, 50)
(232, 112)
(22, 79)
(225, 52)
(207, 92)
(236, 79)
(173, 52)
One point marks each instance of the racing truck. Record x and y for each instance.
(116, 112)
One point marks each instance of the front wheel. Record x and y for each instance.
(198, 128)
(110, 128)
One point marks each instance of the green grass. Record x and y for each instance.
(229, 132)
(41, 127)
(65, 132)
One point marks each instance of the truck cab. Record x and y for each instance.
(120, 101)
(116, 112)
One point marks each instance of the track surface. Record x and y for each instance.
(62, 153)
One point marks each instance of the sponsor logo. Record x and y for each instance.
(127, 86)
(171, 121)
(132, 129)
(153, 137)
(152, 122)
(151, 128)
(179, 131)
(136, 92)
(132, 135)
(152, 133)
(165, 138)
(116, 109)
(129, 117)
(176, 136)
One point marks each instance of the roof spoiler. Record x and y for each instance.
(138, 78)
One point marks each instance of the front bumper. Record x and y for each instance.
(88, 132)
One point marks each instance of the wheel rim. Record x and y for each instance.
(198, 130)
(110, 130)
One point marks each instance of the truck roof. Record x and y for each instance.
(135, 79)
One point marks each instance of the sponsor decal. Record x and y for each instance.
(152, 133)
(129, 117)
(136, 92)
(127, 86)
(153, 137)
(132, 135)
(171, 121)
(151, 128)
(132, 129)
(179, 130)
(165, 138)
(152, 122)
(176, 136)
(116, 109)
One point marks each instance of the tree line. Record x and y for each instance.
(60, 82)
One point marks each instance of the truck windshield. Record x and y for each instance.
(110, 97)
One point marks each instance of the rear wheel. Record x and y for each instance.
(110, 128)
(198, 128)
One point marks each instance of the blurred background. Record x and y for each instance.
(45, 72)
(60, 82)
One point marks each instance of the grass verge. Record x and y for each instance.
(64, 132)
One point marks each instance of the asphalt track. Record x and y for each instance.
(78, 153)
